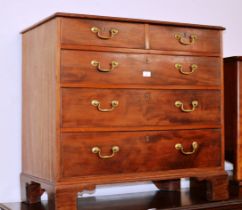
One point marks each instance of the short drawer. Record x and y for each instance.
(185, 39)
(138, 69)
(106, 108)
(102, 33)
(103, 153)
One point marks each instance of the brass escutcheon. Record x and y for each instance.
(97, 64)
(97, 104)
(180, 105)
(194, 148)
(97, 31)
(186, 40)
(179, 67)
(97, 150)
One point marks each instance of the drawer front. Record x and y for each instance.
(138, 69)
(130, 107)
(138, 152)
(184, 39)
(96, 32)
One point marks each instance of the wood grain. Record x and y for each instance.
(141, 86)
(239, 125)
(58, 86)
(39, 101)
(137, 51)
(232, 73)
(140, 128)
(184, 200)
(78, 31)
(232, 59)
(216, 186)
(139, 152)
(86, 16)
(138, 108)
(76, 67)
(66, 195)
(163, 38)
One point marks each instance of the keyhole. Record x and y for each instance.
(147, 60)
(147, 96)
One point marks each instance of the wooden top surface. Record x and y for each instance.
(233, 58)
(85, 16)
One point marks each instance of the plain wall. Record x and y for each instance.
(17, 15)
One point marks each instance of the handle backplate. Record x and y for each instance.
(180, 105)
(97, 150)
(181, 148)
(97, 104)
(97, 64)
(186, 40)
(179, 67)
(97, 31)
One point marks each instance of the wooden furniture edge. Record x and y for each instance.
(233, 202)
(233, 58)
(121, 19)
(127, 178)
(216, 189)
(73, 47)
(143, 128)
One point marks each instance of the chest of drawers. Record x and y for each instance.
(112, 100)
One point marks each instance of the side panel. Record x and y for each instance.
(40, 64)
(231, 111)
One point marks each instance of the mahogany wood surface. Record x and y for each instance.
(168, 185)
(39, 101)
(33, 192)
(66, 196)
(78, 31)
(170, 200)
(137, 51)
(55, 107)
(154, 151)
(138, 107)
(88, 16)
(207, 40)
(216, 186)
(233, 58)
(140, 128)
(32, 188)
(132, 69)
(233, 116)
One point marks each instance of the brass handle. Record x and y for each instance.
(186, 40)
(179, 104)
(97, 103)
(193, 68)
(97, 150)
(97, 64)
(112, 32)
(194, 148)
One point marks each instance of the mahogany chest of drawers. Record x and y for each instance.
(111, 100)
(233, 105)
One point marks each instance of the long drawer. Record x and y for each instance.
(103, 153)
(87, 107)
(185, 39)
(102, 33)
(138, 69)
